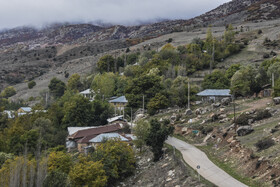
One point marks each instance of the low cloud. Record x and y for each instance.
(37, 13)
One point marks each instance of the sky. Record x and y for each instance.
(38, 13)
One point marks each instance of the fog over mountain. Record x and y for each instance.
(14, 13)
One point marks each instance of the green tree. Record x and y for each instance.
(141, 132)
(105, 84)
(74, 83)
(8, 92)
(77, 112)
(276, 92)
(229, 34)
(106, 64)
(243, 82)
(156, 103)
(31, 84)
(232, 69)
(57, 179)
(147, 85)
(156, 137)
(101, 111)
(216, 80)
(57, 87)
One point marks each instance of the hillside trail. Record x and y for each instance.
(261, 103)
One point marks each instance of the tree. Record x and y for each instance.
(77, 112)
(216, 80)
(156, 103)
(88, 173)
(104, 84)
(57, 87)
(8, 92)
(31, 84)
(147, 85)
(74, 83)
(141, 132)
(243, 82)
(117, 157)
(106, 64)
(229, 34)
(156, 137)
(57, 179)
(100, 112)
(59, 161)
(231, 70)
(276, 92)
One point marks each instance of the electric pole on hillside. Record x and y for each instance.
(272, 78)
(213, 57)
(188, 94)
(143, 104)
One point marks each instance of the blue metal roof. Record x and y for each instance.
(26, 109)
(106, 136)
(215, 92)
(121, 99)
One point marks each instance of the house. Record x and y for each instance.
(24, 110)
(106, 136)
(266, 91)
(119, 104)
(89, 93)
(116, 119)
(79, 138)
(213, 95)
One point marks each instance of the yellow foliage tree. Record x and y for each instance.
(88, 173)
(59, 161)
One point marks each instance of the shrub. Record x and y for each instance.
(266, 55)
(31, 84)
(242, 120)
(8, 92)
(264, 144)
(262, 114)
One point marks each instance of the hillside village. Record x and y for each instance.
(85, 105)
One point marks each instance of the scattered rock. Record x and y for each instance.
(198, 111)
(184, 130)
(244, 130)
(222, 110)
(188, 112)
(216, 105)
(173, 117)
(226, 101)
(276, 100)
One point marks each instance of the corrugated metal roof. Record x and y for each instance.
(121, 99)
(26, 109)
(105, 136)
(215, 92)
(94, 131)
(72, 130)
(88, 91)
(110, 120)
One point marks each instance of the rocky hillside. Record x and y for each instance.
(28, 53)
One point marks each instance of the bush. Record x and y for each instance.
(242, 120)
(266, 55)
(8, 92)
(264, 144)
(31, 84)
(262, 114)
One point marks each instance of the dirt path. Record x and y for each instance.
(208, 170)
(257, 104)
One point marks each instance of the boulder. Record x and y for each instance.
(184, 130)
(216, 105)
(222, 110)
(244, 130)
(198, 111)
(276, 100)
(173, 117)
(226, 101)
(188, 112)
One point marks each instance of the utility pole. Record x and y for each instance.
(213, 57)
(272, 80)
(188, 94)
(143, 104)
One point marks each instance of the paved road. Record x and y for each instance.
(208, 170)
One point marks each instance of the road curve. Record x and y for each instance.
(194, 157)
